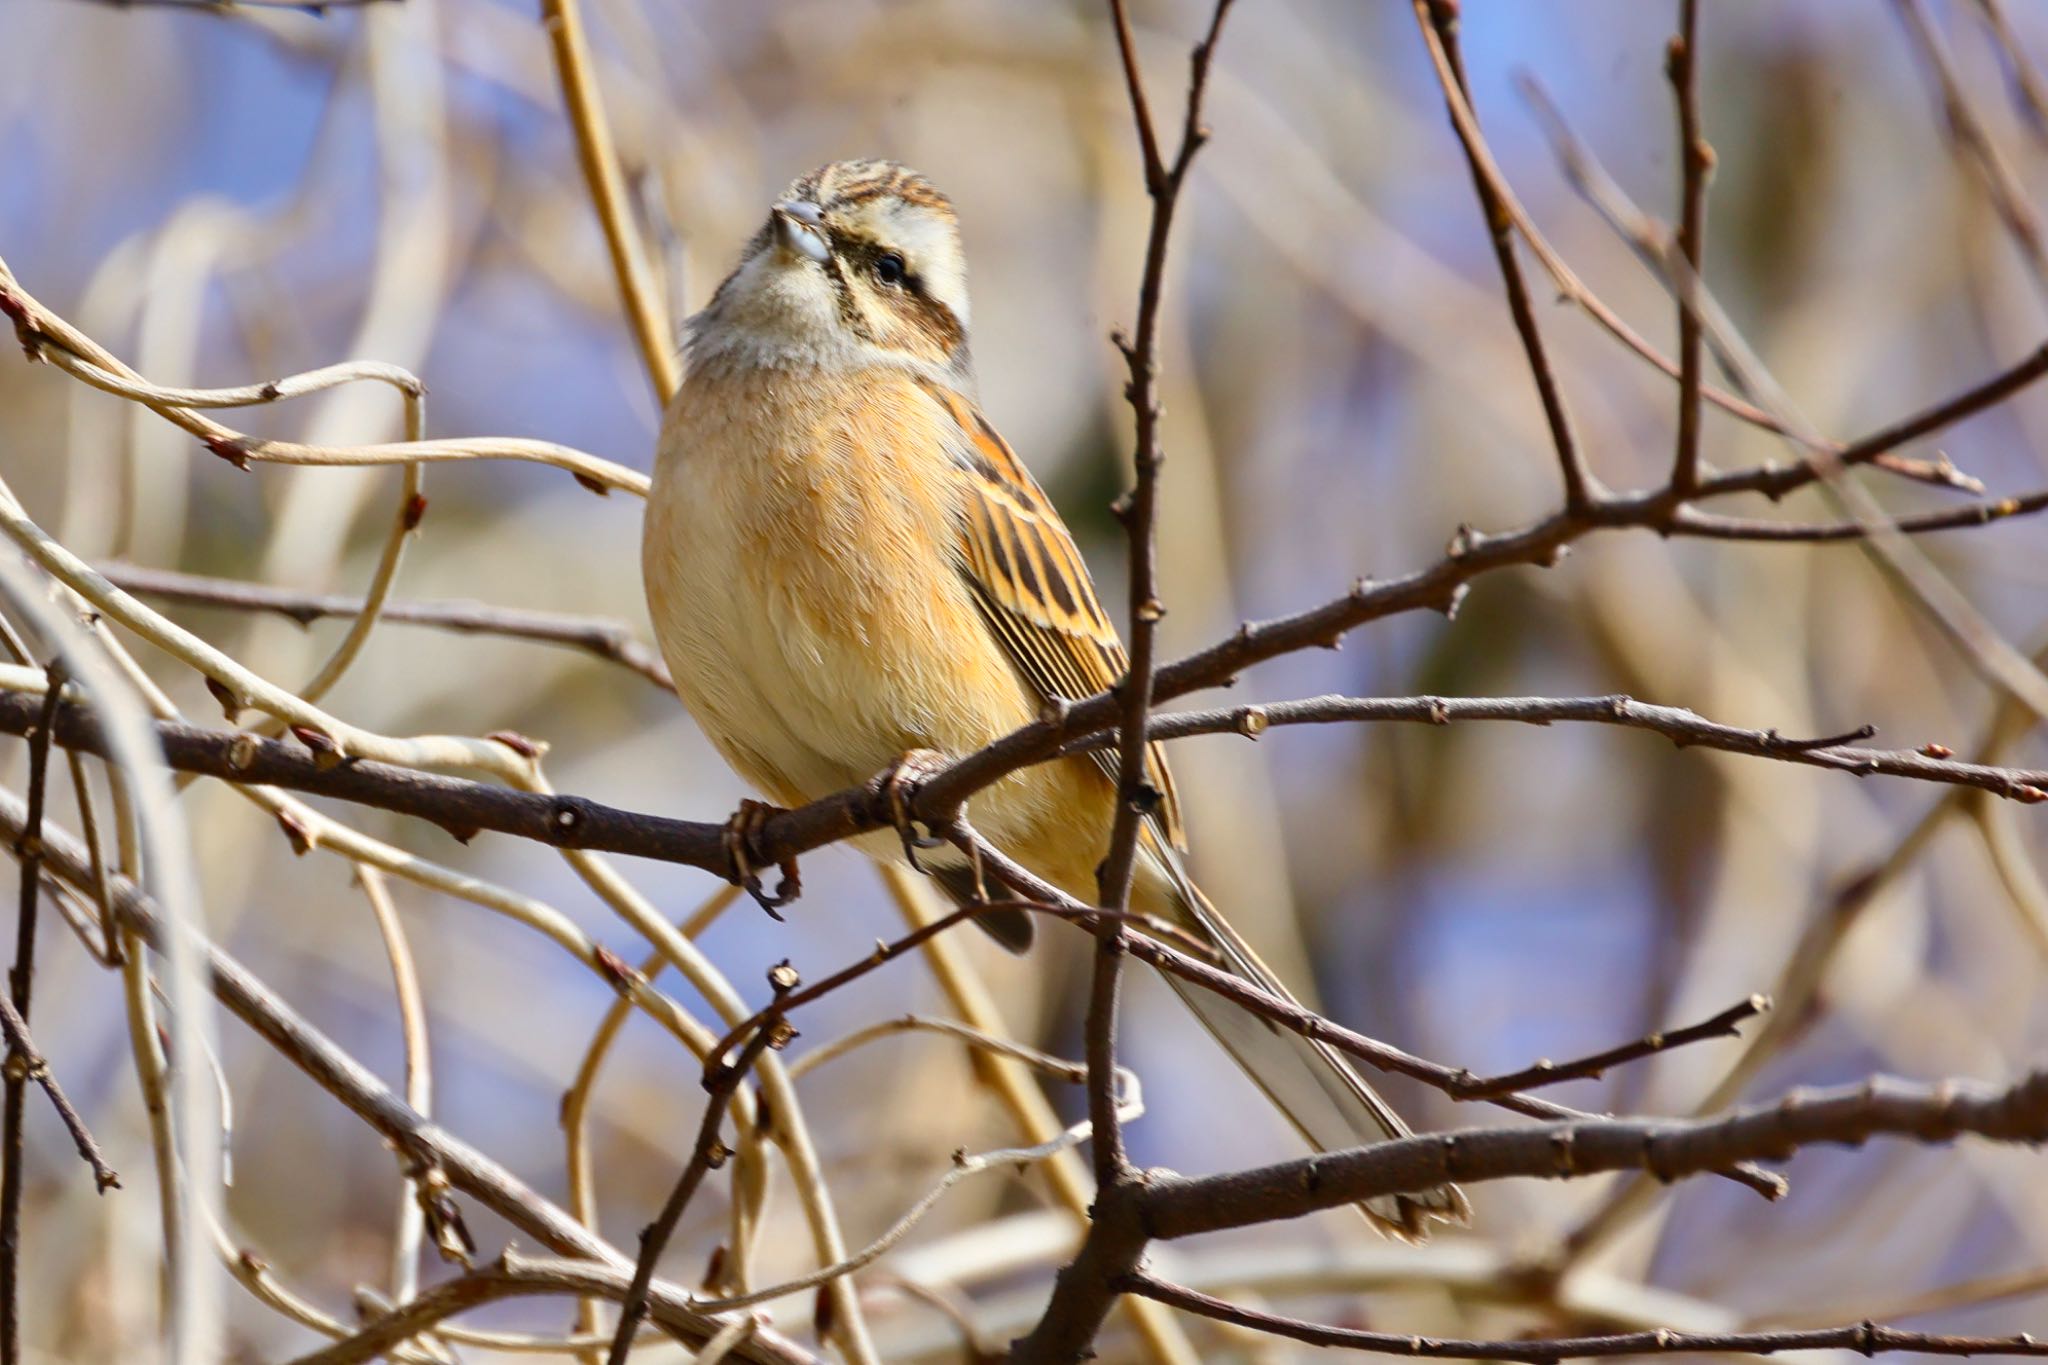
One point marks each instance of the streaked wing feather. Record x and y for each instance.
(1033, 586)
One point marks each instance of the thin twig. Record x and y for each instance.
(708, 1154)
(342, 1076)
(1682, 66)
(1722, 1025)
(645, 310)
(1866, 1338)
(1140, 510)
(20, 981)
(576, 1107)
(419, 1072)
(1439, 23)
(607, 639)
(778, 1012)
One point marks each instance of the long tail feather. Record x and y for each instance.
(1309, 1082)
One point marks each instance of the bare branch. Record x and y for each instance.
(465, 808)
(305, 1047)
(1722, 1025)
(610, 640)
(1864, 1337)
(646, 311)
(1140, 509)
(1668, 1149)
(1438, 20)
(708, 1154)
(1682, 66)
(514, 1275)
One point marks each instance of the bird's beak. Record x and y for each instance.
(800, 229)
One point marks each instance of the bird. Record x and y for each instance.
(849, 569)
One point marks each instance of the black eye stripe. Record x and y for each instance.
(866, 255)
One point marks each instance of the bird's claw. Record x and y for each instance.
(900, 786)
(741, 847)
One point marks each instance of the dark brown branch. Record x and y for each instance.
(1682, 66)
(708, 1154)
(612, 641)
(1439, 23)
(1682, 727)
(465, 808)
(1864, 1337)
(1458, 1084)
(420, 1141)
(1253, 1000)
(1106, 1133)
(1166, 1207)
(1060, 1335)
(20, 983)
(1140, 510)
(772, 1015)
(1723, 1025)
(30, 1062)
(1669, 1149)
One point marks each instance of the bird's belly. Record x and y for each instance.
(815, 638)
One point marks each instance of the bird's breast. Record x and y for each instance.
(801, 563)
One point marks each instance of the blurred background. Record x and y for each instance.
(226, 197)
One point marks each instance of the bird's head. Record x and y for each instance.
(858, 263)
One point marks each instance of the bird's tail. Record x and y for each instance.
(1309, 1082)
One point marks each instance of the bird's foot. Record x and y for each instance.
(900, 786)
(742, 833)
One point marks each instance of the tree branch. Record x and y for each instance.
(1682, 67)
(432, 1147)
(1669, 1149)
(1864, 1337)
(1723, 1025)
(1439, 23)
(612, 641)
(513, 1275)
(465, 808)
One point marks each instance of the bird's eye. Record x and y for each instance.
(889, 268)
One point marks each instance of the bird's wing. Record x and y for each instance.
(1033, 586)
